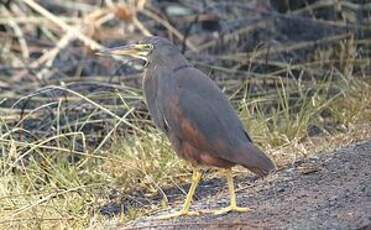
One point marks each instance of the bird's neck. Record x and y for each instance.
(169, 58)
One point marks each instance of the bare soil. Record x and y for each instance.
(327, 191)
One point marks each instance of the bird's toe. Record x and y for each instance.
(178, 214)
(231, 209)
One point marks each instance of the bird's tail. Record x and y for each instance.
(256, 160)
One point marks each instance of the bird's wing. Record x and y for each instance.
(199, 113)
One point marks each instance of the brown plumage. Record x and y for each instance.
(193, 112)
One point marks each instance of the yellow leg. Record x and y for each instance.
(196, 177)
(233, 205)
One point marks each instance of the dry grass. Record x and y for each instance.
(59, 187)
(72, 141)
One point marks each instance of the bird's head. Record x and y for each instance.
(144, 49)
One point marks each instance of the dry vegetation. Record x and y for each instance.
(75, 133)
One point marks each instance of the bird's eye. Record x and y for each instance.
(148, 46)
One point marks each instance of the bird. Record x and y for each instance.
(195, 115)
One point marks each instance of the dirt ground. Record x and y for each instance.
(330, 191)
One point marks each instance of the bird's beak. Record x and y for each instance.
(139, 51)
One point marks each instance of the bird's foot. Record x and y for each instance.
(231, 208)
(177, 214)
